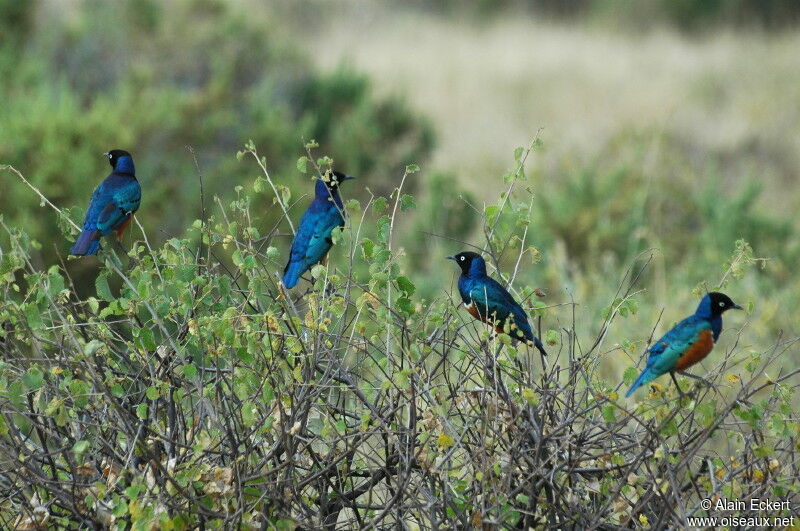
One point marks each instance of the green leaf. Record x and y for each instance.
(237, 258)
(318, 271)
(56, 282)
(406, 305)
(260, 185)
(407, 202)
(406, 285)
(189, 371)
(762, 451)
(380, 205)
(384, 228)
(609, 412)
(491, 212)
(412, 168)
(630, 375)
(141, 411)
(102, 287)
(34, 316)
(94, 304)
(367, 248)
(552, 337)
(302, 164)
(120, 507)
(336, 235)
(33, 379)
(353, 206)
(152, 393)
(80, 447)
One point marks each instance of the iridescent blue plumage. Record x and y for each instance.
(113, 204)
(687, 342)
(488, 301)
(313, 239)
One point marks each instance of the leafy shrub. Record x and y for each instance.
(197, 394)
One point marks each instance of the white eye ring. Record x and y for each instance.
(462, 258)
(721, 303)
(110, 155)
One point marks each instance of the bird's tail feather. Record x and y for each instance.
(291, 275)
(86, 244)
(643, 378)
(539, 345)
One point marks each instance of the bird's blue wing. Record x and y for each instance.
(313, 239)
(490, 295)
(665, 353)
(123, 199)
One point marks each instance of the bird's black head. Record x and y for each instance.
(120, 160)
(719, 303)
(467, 259)
(114, 155)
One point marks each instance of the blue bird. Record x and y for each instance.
(113, 204)
(488, 301)
(689, 341)
(313, 239)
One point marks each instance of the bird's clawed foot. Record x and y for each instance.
(707, 383)
(681, 394)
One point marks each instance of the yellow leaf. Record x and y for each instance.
(445, 441)
(656, 390)
(733, 378)
(530, 396)
(644, 521)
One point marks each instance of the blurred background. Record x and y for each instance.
(667, 124)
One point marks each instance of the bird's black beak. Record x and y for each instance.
(347, 177)
(737, 307)
(450, 257)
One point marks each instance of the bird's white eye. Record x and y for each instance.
(462, 259)
(721, 303)
(110, 155)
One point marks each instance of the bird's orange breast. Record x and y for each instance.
(121, 229)
(472, 308)
(696, 351)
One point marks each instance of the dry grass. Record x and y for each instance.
(489, 88)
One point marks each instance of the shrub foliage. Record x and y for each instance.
(190, 391)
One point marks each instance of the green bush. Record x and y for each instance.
(197, 394)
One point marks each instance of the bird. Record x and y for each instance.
(313, 239)
(113, 204)
(688, 342)
(488, 301)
